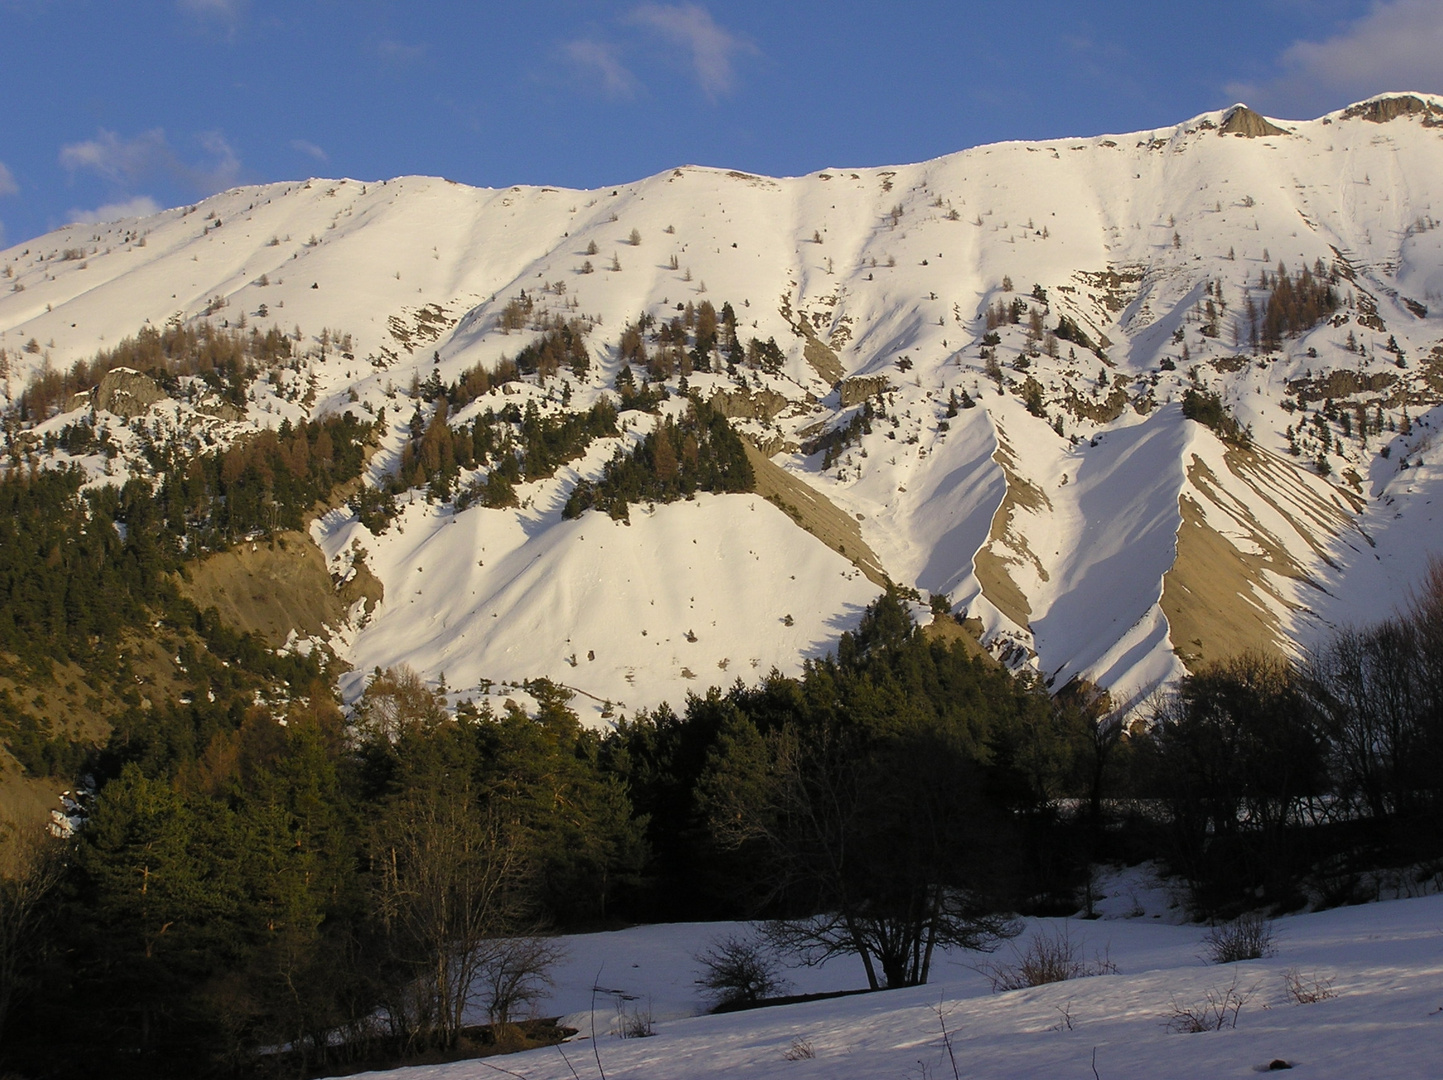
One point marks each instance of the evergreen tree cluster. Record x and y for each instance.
(645, 398)
(243, 884)
(680, 456)
(1278, 775)
(901, 789)
(1208, 409)
(563, 345)
(695, 340)
(698, 339)
(268, 482)
(341, 887)
(1004, 313)
(67, 574)
(835, 442)
(514, 444)
(87, 574)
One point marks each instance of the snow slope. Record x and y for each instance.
(1382, 962)
(1108, 538)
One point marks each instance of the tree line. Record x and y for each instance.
(354, 886)
(225, 358)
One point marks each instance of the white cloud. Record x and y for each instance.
(128, 162)
(310, 149)
(8, 186)
(399, 53)
(692, 27)
(140, 206)
(598, 61)
(1398, 45)
(225, 10)
(116, 160)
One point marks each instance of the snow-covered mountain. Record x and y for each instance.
(1009, 331)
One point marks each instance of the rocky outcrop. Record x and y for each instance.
(122, 391)
(744, 404)
(1241, 120)
(856, 390)
(220, 409)
(1381, 110)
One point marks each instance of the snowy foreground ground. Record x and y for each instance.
(1384, 960)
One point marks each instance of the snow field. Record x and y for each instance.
(1383, 962)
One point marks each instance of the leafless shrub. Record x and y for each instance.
(515, 975)
(1308, 989)
(1051, 956)
(634, 1021)
(1218, 1009)
(800, 1050)
(1248, 937)
(739, 971)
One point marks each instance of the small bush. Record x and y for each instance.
(1248, 937)
(800, 1050)
(1218, 1009)
(1049, 957)
(1307, 989)
(739, 971)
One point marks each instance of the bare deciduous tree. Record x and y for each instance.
(32, 867)
(449, 879)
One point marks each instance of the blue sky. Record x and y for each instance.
(130, 104)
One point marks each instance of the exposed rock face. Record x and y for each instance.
(774, 445)
(1390, 108)
(857, 390)
(1241, 120)
(1341, 384)
(122, 391)
(743, 404)
(220, 409)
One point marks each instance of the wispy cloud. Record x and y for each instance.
(140, 206)
(225, 11)
(127, 163)
(310, 149)
(712, 48)
(1398, 45)
(8, 186)
(599, 62)
(399, 53)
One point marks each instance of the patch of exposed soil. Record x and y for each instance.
(1219, 597)
(269, 588)
(990, 563)
(815, 513)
